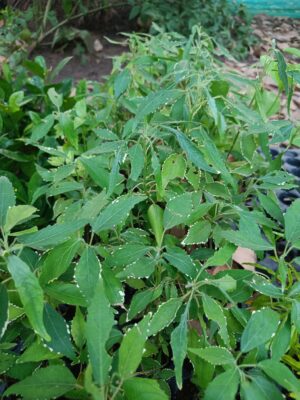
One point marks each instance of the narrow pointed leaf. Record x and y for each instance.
(87, 273)
(7, 198)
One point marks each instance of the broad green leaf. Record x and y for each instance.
(113, 287)
(178, 210)
(281, 374)
(66, 293)
(142, 268)
(45, 383)
(292, 222)
(6, 362)
(122, 82)
(198, 233)
(174, 167)
(116, 212)
(92, 208)
(224, 386)
(3, 310)
(141, 300)
(179, 342)
(16, 215)
(58, 260)
(221, 256)
(37, 352)
(214, 312)
(42, 129)
(30, 292)
(259, 388)
(100, 320)
(7, 198)
(155, 216)
(164, 315)
(260, 328)
(215, 355)
(52, 235)
(143, 389)
(295, 314)
(271, 207)
(87, 273)
(248, 235)
(78, 328)
(154, 101)
(131, 351)
(281, 342)
(181, 261)
(56, 98)
(282, 71)
(114, 172)
(128, 254)
(192, 152)
(58, 330)
(264, 286)
(137, 160)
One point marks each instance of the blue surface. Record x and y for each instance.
(283, 8)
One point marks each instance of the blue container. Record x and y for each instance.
(278, 8)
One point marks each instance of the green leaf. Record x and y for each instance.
(30, 292)
(78, 328)
(122, 82)
(248, 235)
(264, 286)
(198, 233)
(221, 256)
(259, 388)
(140, 301)
(58, 330)
(58, 260)
(7, 198)
(45, 383)
(17, 215)
(292, 222)
(37, 352)
(68, 129)
(281, 342)
(178, 210)
(113, 287)
(192, 152)
(282, 71)
(87, 273)
(260, 328)
(155, 216)
(181, 261)
(114, 172)
(3, 310)
(116, 212)
(179, 342)
(224, 386)
(164, 315)
(143, 389)
(42, 129)
(66, 293)
(141, 268)
(137, 160)
(281, 375)
(56, 99)
(52, 235)
(295, 314)
(215, 355)
(100, 320)
(270, 207)
(214, 312)
(92, 208)
(174, 167)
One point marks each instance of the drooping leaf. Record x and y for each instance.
(30, 292)
(281, 374)
(143, 389)
(155, 216)
(16, 215)
(164, 315)
(122, 82)
(45, 383)
(259, 388)
(140, 301)
(58, 330)
(87, 273)
(260, 328)
(215, 355)
(181, 260)
(7, 198)
(179, 342)
(116, 212)
(198, 233)
(224, 386)
(214, 312)
(137, 160)
(100, 320)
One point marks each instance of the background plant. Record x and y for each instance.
(140, 187)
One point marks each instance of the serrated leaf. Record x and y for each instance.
(58, 330)
(30, 292)
(52, 235)
(215, 355)
(56, 98)
(87, 273)
(78, 328)
(137, 160)
(260, 328)
(58, 260)
(281, 375)
(113, 179)
(264, 286)
(271, 207)
(37, 352)
(140, 301)
(224, 386)
(198, 233)
(113, 287)
(292, 222)
(143, 389)
(16, 215)
(39, 131)
(173, 167)
(164, 315)
(181, 261)
(116, 212)
(66, 293)
(7, 198)
(92, 208)
(259, 388)
(100, 320)
(248, 235)
(178, 210)
(155, 216)
(141, 268)
(45, 383)
(221, 256)
(179, 342)
(214, 312)
(122, 82)
(3, 310)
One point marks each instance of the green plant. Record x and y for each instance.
(118, 202)
(227, 23)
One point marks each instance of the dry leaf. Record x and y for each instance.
(244, 257)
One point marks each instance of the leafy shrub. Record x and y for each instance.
(117, 203)
(228, 23)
